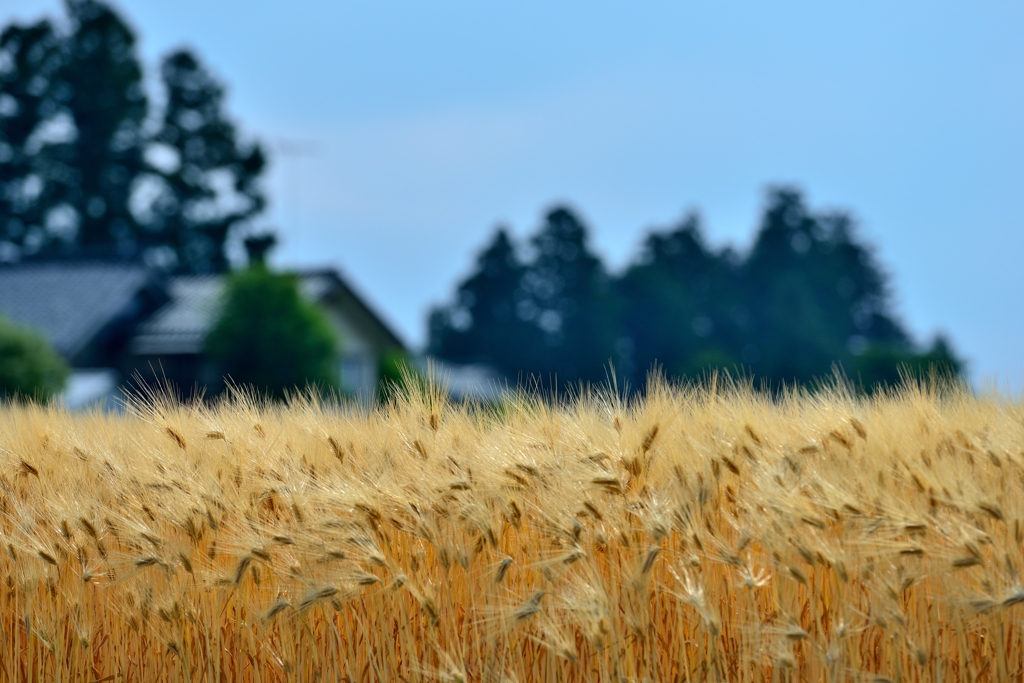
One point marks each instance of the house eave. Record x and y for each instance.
(167, 345)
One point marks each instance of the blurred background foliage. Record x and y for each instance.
(398, 375)
(92, 165)
(808, 299)
(89, 167)
(29, 367)
(270, 338)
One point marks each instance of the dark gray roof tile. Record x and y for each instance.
(70, 303)
(181, 325)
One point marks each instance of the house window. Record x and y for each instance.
(354, 373)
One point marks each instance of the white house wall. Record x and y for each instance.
(358, 359)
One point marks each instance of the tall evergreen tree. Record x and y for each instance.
(570, 299)
(551, 318)
(29, 58)
(488, 323)
(682, 309)
(817, 295)
(100, 88)
(809, 297)
(205, 179)
(85, 171)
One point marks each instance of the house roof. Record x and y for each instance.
(329, 283)
(181, 326)
(71, 303)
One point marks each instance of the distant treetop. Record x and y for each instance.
(809, 299)
(87, 167)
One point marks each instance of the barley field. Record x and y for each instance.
(699, 533)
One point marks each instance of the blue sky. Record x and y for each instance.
(428, 123)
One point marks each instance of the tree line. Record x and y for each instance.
(89, 165)
(93, 165)
(808, 299)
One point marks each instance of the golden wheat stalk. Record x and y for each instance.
(694, 533)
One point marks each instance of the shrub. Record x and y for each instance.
(396, 375)
(270, 338)
(29, 367)
(888, 366)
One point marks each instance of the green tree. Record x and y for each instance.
(487, 324)
(85, 169)
(30, 56)
(683, 310)
(270, 338)
(397, 375)
(29, 367)
(808, 297)
(99, 93)
(551, 318)
(818, 296)
(570, 299)
(203, 182)
(882, 365)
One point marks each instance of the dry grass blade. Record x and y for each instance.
(747, 537)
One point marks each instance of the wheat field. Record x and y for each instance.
(698, 533)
